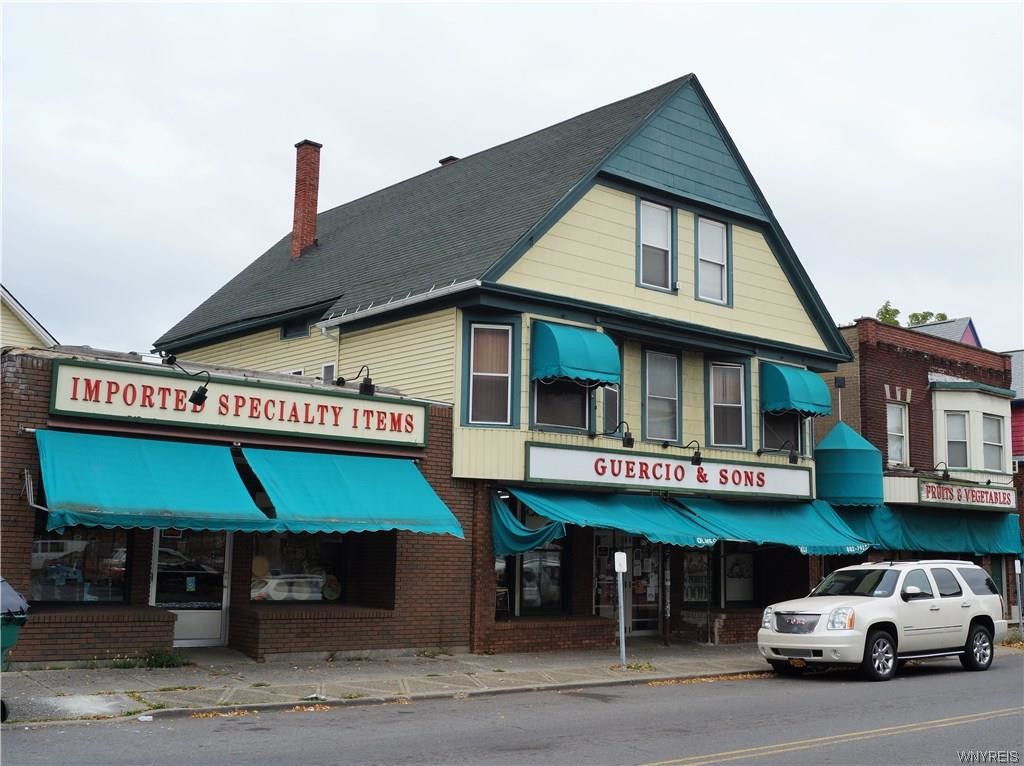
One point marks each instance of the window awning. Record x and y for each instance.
(938, 530)
(113, 481)
(510, 536)
(812, 527)
(318, 492)
(791, 389)
(645, 515)
(561, 351)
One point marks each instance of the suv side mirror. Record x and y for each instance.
(910, 593)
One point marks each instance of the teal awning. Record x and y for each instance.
(561, 351)
(792, 389)
(318, 492)
(937, 530)
(113, 481)
(511, 536)
(811, 527)
(645, 515)
(848, 468)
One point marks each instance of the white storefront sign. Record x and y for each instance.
(160, 395)
(581, 467)
(966, 496)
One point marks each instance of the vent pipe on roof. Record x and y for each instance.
(448, 160)
(307, 186)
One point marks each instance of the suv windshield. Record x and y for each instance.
(876, 583)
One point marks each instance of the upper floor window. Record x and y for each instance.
(896, 431)
(295, 328)
(561, 402)
(661, 422)
(490, 379)
(610, 409)
(956, 440)
(728, 413)
(992, 440)
(655, 246)
(780, 428)
(712, 261)
(327, 373)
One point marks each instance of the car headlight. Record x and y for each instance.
(841, 619)
(766, 618)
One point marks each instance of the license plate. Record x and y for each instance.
(797, 663)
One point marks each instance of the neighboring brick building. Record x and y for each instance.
(939, 412)
(113, 455)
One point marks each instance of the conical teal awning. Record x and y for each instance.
(849, 468)
(562, 351)
(792, 389)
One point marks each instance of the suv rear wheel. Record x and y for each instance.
(879, 662)
(978, 649)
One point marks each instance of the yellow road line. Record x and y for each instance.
(853, 736)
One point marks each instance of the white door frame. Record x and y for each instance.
(221, 639)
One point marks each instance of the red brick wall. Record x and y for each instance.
(80, 633)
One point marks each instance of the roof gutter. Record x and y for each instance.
(396, 303)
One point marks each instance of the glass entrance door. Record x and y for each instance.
(191, 579)
(642, 586)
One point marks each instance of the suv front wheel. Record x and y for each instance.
(879, 662)
(978, 649)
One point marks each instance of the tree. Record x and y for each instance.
(888, 314)
(924, 317)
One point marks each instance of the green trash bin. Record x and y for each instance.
(13, 614)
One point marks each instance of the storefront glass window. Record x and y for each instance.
(530, 583)
(83, 564)
(296, 567)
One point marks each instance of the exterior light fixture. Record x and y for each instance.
(366, 386)
(793, 455)
(627, 438)
(197, 397)
(695, 459)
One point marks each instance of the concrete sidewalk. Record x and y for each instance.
(222, 680)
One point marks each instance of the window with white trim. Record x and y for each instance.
(490, 379)
(661, 421)
(896, 433)
(655, 246)
(610, 407)
(728, 414)
(712, 261)
(956, 440)
(992, 442)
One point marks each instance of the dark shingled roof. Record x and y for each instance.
(449, 224)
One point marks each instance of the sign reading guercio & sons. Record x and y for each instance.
(160, 395)
(561, 465)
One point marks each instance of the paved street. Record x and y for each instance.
(925, 716)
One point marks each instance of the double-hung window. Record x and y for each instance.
(712, 261)
(661, 421)
(956, 440)
(655, 246)
(728, 415)
(490, 378)
(896, 432)
(610, 407)
(992, 442)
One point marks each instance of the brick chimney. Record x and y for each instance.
(307, 185)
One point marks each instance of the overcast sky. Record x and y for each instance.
(148, 150)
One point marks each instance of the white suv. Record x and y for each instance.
(878, 614)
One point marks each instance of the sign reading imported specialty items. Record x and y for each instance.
(162, 396)
(984, 498)
(561, 465)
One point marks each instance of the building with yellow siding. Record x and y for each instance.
(18, 327)
(631, 347)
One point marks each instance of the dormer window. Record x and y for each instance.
(295, 328)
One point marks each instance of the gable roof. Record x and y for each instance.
(446, 225)
(961, 330)
(462, 223)
(27, 319)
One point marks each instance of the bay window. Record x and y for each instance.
(992, 442)
(956, 440)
